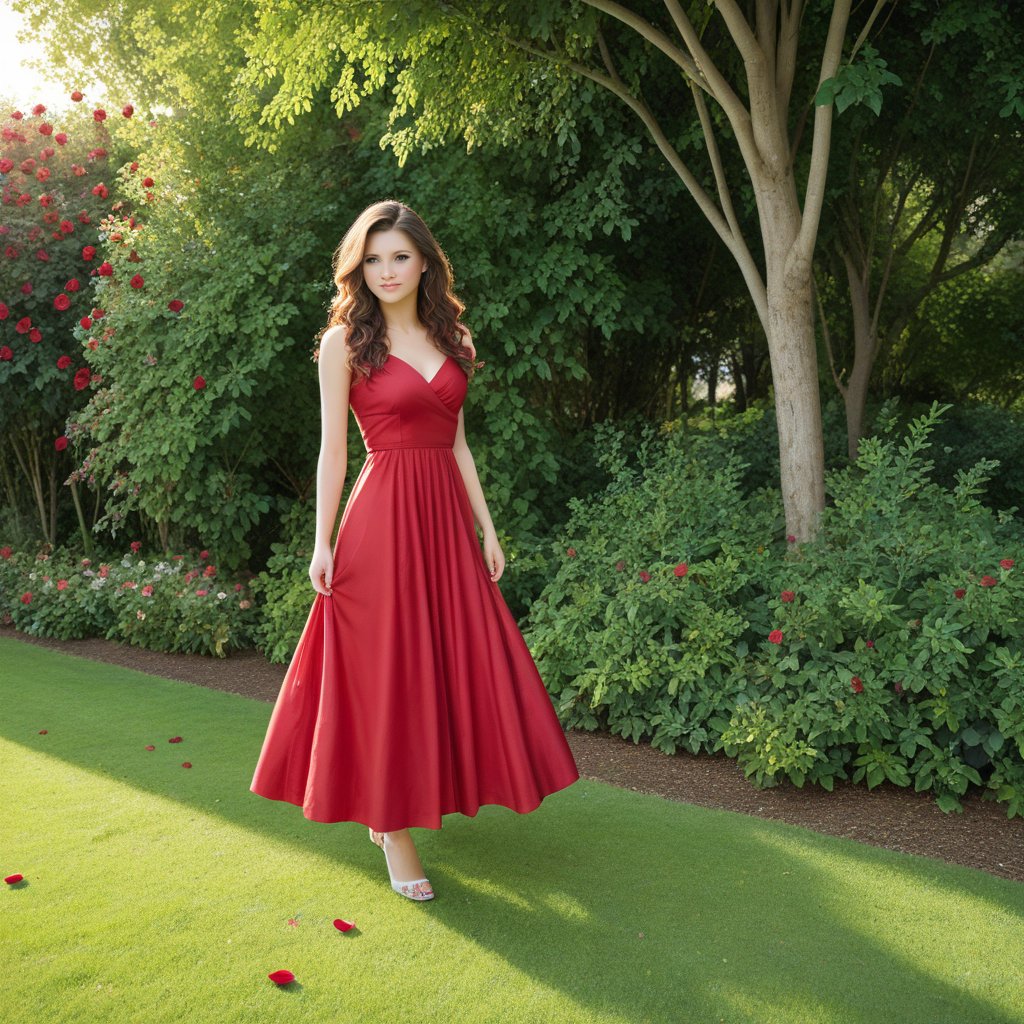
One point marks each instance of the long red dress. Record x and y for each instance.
(411, 693)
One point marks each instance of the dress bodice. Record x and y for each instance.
(397, 407)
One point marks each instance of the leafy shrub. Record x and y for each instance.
(284, 586)
(155, 606)
(889, 648)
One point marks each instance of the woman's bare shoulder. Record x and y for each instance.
(335, 336)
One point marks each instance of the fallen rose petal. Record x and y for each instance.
(43, 732)
(343, 925)
(174, 739)
(11, 879)
(281, 977)
(186, 764)
(150, 747)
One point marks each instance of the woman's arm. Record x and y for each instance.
(467, 467)
(335, 379)
(494, 557)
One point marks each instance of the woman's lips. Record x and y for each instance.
(389, 285)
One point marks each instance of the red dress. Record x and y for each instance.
(411, 693)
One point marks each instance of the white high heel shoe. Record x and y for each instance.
(419, 889)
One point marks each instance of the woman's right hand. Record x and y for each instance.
(321, 569)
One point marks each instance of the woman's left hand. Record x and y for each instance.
(494, 557)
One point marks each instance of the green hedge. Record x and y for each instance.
(892, 647)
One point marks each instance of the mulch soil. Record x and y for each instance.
(888, 816)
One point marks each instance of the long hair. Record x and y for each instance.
(358, 309)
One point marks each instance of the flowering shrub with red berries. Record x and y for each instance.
(53, 196)
(890, 648)
(163, 605)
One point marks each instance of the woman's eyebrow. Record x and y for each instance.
(395, 253)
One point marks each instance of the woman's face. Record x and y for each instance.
(392, 265)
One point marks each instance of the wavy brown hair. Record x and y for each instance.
(357, 308)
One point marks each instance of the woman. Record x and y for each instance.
(411, 693)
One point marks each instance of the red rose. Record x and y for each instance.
(1006, 563)
(147, 182)
(6, 353)
(644, 575)
(88, 252)
(127, 110)
(571, 552)
(63, 362)
(959, 593)
(61, 443)
(175, 305)
(61, 302)
(987, 581)
(136, 281)
(791, 539)
(85, 323)
(898, 686)
(99, 114)
(106, 270)
(787, 596)
(199, 383)
(857, 685)
(870, 643)
(775, 636)
(681, 569)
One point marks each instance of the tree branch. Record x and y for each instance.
(815, 194)
(654, 36)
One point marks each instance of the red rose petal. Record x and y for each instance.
(174, 739)
(11, 879)
(151, 747)
(343, 925)
(43, 732)
(186, 764)
(281, 977)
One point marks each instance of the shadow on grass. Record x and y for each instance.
(626, 904)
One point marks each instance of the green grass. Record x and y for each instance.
(156, 893)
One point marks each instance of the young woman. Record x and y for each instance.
(411, 693)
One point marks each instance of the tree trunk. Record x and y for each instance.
(865, 347)
(794, 361)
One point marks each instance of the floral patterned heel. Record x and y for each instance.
(418, 889)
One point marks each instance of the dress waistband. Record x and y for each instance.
(405, 444)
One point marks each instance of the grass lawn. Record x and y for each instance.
(156, 893)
